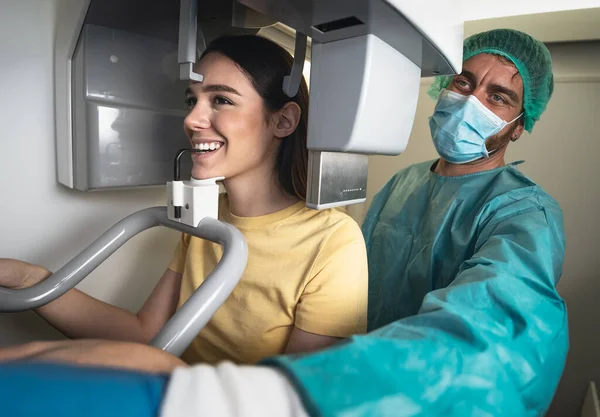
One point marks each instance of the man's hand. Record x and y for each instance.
(124, 355)
(17, 274)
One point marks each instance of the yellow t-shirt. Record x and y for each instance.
(305, 268)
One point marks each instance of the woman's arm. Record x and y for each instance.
(333, 304)
(301, 341)
(77, 315)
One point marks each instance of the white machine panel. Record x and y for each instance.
(368, 107)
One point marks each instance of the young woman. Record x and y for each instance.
(305, 285)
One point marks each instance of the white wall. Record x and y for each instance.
(562, 156)
(41, 221)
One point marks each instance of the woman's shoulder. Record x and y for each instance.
(341, 228)
(342, 249)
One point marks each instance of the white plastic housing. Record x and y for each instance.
(71, 14)
(369, 106)
(367, 58)
(198, 199)
(441, 24)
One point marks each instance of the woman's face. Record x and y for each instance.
(227, 119)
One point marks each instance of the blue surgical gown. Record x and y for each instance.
(464, 314)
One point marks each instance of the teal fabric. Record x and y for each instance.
(464, 315)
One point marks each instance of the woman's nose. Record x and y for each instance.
(198, 118)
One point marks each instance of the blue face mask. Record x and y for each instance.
(460, 125)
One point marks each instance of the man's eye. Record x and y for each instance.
(462, 83)
(498, 98)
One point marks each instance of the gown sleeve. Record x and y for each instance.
(494, 342)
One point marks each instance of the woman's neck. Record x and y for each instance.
(251, 195)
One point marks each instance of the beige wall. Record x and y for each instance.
(41, 221)
(561, 155)
(569, 172)
(44, 223)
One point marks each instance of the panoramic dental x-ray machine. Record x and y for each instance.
(121, 68)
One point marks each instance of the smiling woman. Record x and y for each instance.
(305, 285)
(248, 114)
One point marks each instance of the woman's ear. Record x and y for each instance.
(286, 120)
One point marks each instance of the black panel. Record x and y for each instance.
(339, 24)
(157, 19)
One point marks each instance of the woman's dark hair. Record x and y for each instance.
(265, 64)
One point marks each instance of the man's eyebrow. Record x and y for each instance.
(211, 88)
(469, 76)
(512, 95)
(495, 88)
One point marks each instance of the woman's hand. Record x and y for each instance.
(17, 274)
(124, 355)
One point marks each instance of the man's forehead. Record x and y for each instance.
(494, 70)
(493, 66)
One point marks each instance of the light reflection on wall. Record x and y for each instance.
(306, 72)
(109, 146)
(106, 134)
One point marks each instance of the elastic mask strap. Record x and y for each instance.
(490, 153)
(497, 149)
(516, 118)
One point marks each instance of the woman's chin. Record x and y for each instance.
(200, 173)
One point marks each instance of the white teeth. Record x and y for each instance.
(208, 146)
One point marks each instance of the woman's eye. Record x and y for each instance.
(191, 102)
(220, 100)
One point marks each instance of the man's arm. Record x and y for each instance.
(134, 377)
(493, 342)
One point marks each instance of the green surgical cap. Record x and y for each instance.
(532, 59)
